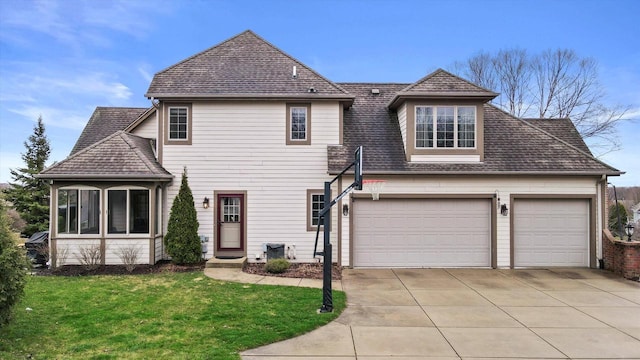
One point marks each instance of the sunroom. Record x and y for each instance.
(107, 201)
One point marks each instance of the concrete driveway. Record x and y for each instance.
(474, 313)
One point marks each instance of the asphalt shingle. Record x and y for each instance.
(512, 145)
(119, 156)
(105, 121)
(243, 66)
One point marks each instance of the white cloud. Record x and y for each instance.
(56, 117)
(79, 23)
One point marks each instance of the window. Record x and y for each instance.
(177, 124)
(128, 211)
(78, 209)
(315, 204)
(445, 126)
(298, 124)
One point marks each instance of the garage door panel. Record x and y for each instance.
(553, 232)
(422, 233)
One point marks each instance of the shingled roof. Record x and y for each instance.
(120, 156)
(105, 121)
(244, 66)
(563, 129)
(441, 84)
(512, 145)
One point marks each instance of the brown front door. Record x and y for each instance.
(230, 225)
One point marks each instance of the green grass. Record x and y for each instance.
(163, 316)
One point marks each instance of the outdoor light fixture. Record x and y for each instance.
(345, 210)
(629, 230)
(205, 203)
(504, 210)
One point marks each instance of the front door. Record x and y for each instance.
(230, 225)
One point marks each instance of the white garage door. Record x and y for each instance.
(551, 232)
(422, 233)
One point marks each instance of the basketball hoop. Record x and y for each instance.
(374, 187)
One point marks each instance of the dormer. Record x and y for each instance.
(441, 119)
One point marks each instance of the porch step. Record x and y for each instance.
(226, 263)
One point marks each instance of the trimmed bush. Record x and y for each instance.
(13, 268)
(277, 266)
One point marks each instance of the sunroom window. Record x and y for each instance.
(128, 211)
(78, 210)
(445, 127)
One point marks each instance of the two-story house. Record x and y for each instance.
(465, 184)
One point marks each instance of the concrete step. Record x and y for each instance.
(226, 263)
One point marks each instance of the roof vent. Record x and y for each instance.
(312, 90)
(295, 72)
(375, 91)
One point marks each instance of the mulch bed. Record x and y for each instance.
(296, 270)
(78, 270)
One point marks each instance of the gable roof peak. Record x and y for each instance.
(244, 66)
(442, 84)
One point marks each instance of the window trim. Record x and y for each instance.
(309, 211)
(289, 109)
(167, 118)
(79, 233)
(434, 125)
(127, 232)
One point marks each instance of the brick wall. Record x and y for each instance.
(621, 257)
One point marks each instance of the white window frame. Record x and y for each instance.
(434, 135)
(187, 124)
(79, 233)
(306, 123)
(310, 194)
(128, 232)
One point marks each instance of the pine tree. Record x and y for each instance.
(13, 265)
(28, 194)
(182, 240)
(614, 225)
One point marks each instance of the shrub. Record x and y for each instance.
(129, 256)
(89, 256)
(277, 266)
(614, 225)
(62, 256)
(13, 269)
(182, 240)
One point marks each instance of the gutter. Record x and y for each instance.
(409, 172)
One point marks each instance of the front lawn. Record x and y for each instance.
(159, 316)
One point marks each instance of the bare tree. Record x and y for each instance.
(514, 72)
(554, 84)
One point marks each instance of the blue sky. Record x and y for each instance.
(61, 59)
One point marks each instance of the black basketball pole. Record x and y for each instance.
(327, 295)
(325, 215)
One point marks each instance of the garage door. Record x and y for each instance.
(551, 232)
(422, 233)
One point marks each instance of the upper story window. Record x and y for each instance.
(298, 124)
(178, 124)
(78, 211)
(445, 127)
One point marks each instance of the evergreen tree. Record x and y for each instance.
(28, 194)
(182, 240)
(614, 225)
(13, 265)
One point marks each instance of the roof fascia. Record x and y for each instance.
(403, 96)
